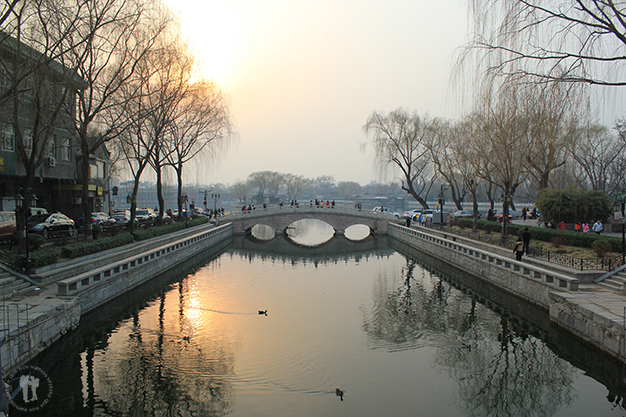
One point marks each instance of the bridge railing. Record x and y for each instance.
(308, 209)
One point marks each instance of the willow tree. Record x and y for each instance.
(400, 141)
(502, 123)
(200, 126)
(579, 41)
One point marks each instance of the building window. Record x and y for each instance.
(8, 139)
(52, 147)
(66, 150)
(28, 141)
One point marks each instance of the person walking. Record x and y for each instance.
(598, 227)
(585, 227)
(518, 249)
(526, 239)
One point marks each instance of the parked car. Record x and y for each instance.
(411, 213)
(103, 219)
(122, 217)
(145, 215)
(385, 210)
(49, 224)
(97, 217)
(36, 210)
(8, 226)
(498, 217)
(464, 214)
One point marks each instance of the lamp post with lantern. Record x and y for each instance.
(618, 210)
(506, 201)
(21, 208)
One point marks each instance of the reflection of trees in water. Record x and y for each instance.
(154, 369)
(499, 372)
(314, 260)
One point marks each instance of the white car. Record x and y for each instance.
(412, 213)
(385, 210)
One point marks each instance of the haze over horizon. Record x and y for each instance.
(302, 76)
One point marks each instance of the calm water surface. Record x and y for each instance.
(389, 331)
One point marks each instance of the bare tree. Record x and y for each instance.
(554, 127)
(265, 182)
(294, 185)
(200, 126)
(504, 144)
(119, 38)
(581, 41)
(241, 190)
(596, 155)
(400, 141)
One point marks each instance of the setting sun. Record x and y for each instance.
(211, 27)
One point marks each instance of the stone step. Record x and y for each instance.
(613, 284)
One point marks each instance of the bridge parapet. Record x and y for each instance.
(279, 218)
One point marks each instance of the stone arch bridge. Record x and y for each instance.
(279, 218)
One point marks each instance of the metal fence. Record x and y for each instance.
(603, 264)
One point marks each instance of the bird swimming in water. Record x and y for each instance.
(262, 312)
(339, 393)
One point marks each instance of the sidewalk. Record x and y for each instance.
(534, 223)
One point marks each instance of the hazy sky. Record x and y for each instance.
(303, 75)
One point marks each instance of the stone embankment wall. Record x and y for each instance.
(583, 313)
(530, 282)
(34, 322)
(100, 285)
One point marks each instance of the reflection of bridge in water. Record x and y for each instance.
(336, 249)
(280, 218)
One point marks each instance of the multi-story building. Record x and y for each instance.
(57, 179)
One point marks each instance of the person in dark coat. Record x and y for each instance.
(526, 239)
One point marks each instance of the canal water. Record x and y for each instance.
(306, 325)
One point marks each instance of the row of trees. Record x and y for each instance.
(111, 72)
(271, 186)
(531, 125)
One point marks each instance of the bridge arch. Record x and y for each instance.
(279, 218)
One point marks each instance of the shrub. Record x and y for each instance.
(170, 228)
(602, 247)
(558, 241)
(39, 258)
(96, 229)
(86, 248)
(35, 241)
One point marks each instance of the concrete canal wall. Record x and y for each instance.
(100, 285)
(530, 282)
(33, 322)
(595, 315)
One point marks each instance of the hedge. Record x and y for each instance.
(170, 228)
(579, 239)
(40, 258)
(86, 248)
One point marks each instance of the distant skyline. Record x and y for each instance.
(303, 76)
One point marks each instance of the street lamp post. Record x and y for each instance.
(215, 197)
(21, 209)
(441, 201)
(506, 200)
(619, 204)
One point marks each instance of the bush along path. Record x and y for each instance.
(43, 256)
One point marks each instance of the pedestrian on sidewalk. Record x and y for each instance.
(598, 227)
(519, 249)
(526, 239)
